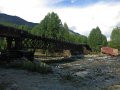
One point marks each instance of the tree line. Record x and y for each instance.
(52, 27)
(24, 27)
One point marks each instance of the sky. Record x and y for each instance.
(80, 15)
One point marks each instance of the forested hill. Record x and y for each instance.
(8, 19)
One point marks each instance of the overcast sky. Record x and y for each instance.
(80, 15)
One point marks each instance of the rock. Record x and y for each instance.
(102, 58)
(91, 59)
(81, 73)
(24, 58)
(36, 61)
(114, 87)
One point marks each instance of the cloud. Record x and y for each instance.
(31, 10)
(104, 13)
(118, 24)
(73, 28)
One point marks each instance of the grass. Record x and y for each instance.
(73, 80)
(69, 77)
(31, 66)
(94, 53)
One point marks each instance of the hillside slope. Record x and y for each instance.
(4, 18)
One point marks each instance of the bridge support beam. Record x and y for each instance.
(9, 43)
(14, 43)
(15, 49)
(18, 43)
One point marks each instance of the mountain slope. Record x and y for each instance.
(4, 18)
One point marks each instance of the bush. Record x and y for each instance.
(3, 85)
(42, 68)
(31, 66)
(68, 77)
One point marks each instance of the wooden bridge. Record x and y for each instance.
(18, 40)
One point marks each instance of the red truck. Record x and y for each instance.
(110, 51)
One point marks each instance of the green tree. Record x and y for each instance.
(82, 39)
(115, 38)
(95, 39)
(50, 26)
(65, 32)
(23, 27)
(104, 40)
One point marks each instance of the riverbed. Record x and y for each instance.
(88, 73)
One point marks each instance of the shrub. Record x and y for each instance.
(31, 66)
(42, 68)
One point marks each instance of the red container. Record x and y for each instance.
(109, 51)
